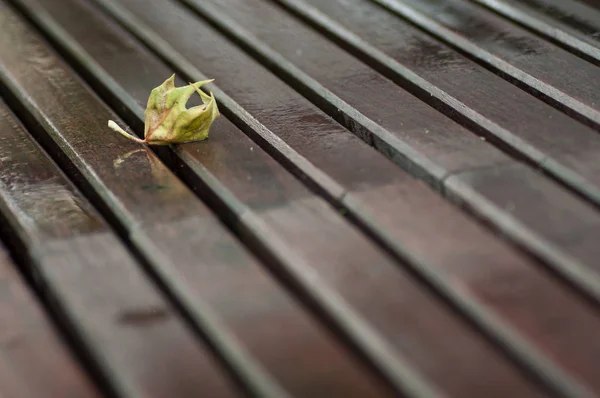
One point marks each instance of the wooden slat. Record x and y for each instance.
(170, 225)
(288, 204)
(561, 146)
(316, 57)
(270, 220)
(206, 36)
(34, 360)
(124, 327)
(570, 24)
(49, 93)
(520, 56)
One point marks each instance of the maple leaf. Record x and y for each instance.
(168, 121)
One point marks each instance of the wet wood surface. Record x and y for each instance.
(294, 213)
(35, 360)
(296, 251)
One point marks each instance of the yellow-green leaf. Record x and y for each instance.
(168, 121)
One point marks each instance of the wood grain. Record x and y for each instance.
(497, 219)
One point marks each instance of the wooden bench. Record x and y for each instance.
(401, 198)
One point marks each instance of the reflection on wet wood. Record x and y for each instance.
(528, 116)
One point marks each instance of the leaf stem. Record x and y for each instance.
(114, 126)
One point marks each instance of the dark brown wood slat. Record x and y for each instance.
(515, 53)
(521, 57)
(561, 146)
(153, 203)
(569, 24)
(316, 58)
(34, 361)
(237, 152)
(209, 40)
(126, 328)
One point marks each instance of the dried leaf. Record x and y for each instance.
(168, 121)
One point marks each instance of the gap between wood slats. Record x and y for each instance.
(533, 21)
(505, 338)
(277, 255)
